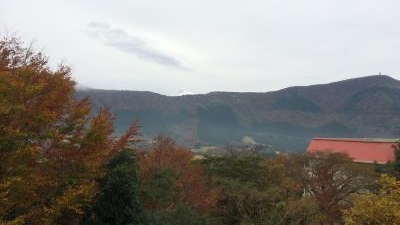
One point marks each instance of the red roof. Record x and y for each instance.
(360, 150)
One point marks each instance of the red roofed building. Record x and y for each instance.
(360, 150)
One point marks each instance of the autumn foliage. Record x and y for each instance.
(51, 150)
(174, 166)
(382, 207)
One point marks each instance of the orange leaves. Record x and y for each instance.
(100, 129)
(51, 151)
(190, 185)
(164, 155)
(32, 99)
(195, 190)
(127, 139)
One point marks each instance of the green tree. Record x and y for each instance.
(396, 163)
(181, 216)
(119, 200)
(391, 168)
(253, 190)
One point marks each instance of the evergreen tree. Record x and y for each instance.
(118, 202)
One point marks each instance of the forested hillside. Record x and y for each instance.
(287, 119)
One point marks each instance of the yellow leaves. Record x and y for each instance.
(16, 221)
(100, 129)
(381, 208)
(4, 108)
(4, 192)
(19, 185)
(71, 205)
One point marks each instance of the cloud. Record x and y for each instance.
(122, 41)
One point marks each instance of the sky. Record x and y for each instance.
(210, 45)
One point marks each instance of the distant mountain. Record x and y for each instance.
(287, 119)
(183, 92)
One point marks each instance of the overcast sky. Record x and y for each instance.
(211, 45)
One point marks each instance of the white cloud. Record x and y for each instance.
(122, 41)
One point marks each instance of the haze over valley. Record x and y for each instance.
(365, 107)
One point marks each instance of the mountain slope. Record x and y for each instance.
(288, 118)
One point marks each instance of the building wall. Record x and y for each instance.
(359, 150)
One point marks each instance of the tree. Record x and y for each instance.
(254, 190)
(382, 207)
(181, 216)
(119, 200)
(172, 179)
(331, 179)
(51, 150)
(33, 100)
(391, 168)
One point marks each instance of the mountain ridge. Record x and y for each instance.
(359, 107)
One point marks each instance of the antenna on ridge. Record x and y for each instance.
(380, 73)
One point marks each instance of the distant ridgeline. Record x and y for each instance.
(286, 119)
